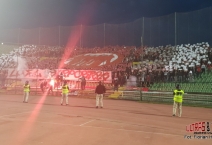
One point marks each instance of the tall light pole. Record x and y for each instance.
(142, 48)
(103, 71)
(37, 76)
(16, 76)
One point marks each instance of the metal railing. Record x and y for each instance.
(167, 97)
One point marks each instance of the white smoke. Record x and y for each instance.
(131, 82)
(22, 64)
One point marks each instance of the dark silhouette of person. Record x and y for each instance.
(83, 83)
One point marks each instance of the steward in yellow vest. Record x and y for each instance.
(178, 99)
(26, 91)
(26, 88)
(178, 95)
(65, 91)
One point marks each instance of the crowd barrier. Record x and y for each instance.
(15, 86)
(167, 97)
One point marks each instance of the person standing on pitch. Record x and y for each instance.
(178, 99)
(116, 85)
(65, 90)
(26, 92)
(100, 90)
(83, 83)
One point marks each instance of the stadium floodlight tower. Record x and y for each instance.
(17, 71)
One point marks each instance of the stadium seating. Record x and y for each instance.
(152, 61)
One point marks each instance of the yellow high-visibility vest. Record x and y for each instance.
(178, 96)
(65, 89)
(26, 88)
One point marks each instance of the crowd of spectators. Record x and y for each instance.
(149, 64)
(8, 60)
(46, 57)
(180, 63)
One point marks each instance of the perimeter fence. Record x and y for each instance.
(174, 29)
(201, 100)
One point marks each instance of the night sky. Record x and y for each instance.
(50, 13)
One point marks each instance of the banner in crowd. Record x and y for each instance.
(75, 75)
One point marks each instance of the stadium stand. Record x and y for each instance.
(158, 68)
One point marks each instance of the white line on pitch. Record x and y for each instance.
(22, 120)
(130, 130)
(14, 114)
(86, 123)
(140, 131)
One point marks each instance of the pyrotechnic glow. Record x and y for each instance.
(52, 83)
(72, 86)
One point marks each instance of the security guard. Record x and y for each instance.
(65, 91)
(100, 91)
(178, 99)
(26, 92)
